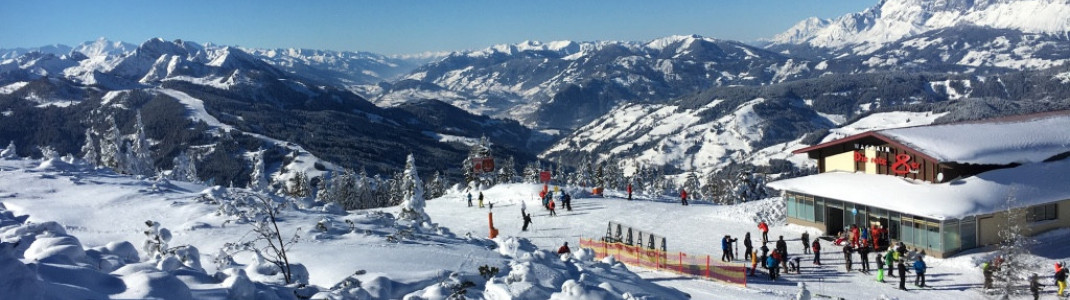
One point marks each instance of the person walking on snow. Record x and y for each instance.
(629, 191)
(854, 236)
(683, 197)
(747, 245)
(806, 242)
(986, 271)
(469, 199)
(480, 199)
(772, 264)
(816, 246)
(753, 261)
(919, 271)
(765, 231)
(1060, 279)
(552, 205)
(782, 248)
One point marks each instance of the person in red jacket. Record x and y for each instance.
(629, 191)
(854, 236)
(564, 249)
(683, 197)
(765, 231)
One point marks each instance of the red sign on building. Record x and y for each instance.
(544, 176)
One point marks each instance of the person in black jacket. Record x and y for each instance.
(782, 248)
(863, 252)
(527, 221)
(747, 244)
(902, 275)
(806, 242)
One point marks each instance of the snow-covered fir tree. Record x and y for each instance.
(184, 168)
(412, 208)
(9, 152)
(139, 155)
(258, 177)
(89, 150)
(749, 186)
(691, 185)
(110, 142)
(298, 186)
(507, 170)
(436, 187)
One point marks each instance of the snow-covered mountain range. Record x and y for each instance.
(892, 20)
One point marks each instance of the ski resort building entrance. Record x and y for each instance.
(939, 188)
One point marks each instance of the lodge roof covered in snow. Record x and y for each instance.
(1002, 141)
(1029, 184)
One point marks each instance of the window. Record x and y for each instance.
(819, 210)
(790, 201)
(1042, 213)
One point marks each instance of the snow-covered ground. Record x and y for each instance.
(98, 208)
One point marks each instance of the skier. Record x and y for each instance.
(765, 256)
(765, 231)
(527, 220)
(816, 246)
(683, 197)
(889, 259)
(568, 202)
(480, 199)
(806, 242)
(552, 205)
(847, 257)
(1060, 279)
(782, 248)
(919, 271)
(747, 245)
(1034, 286)
(863, 251)
(469, 199)
(902, 276)
(726, 248)
(629, 191)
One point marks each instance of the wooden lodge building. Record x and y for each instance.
(939, 188)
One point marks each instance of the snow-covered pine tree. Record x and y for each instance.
(184, 168)
(258, 177)
(297, 186)
(323, 192)
(9, 152)
(507, 170)
(691, 185)
(1014, 247)
(110, 143)
(437, 186)
(412, 207)
(749, 186)
(139, 157)
(89, 150)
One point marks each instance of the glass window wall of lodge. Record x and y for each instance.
(915, 232)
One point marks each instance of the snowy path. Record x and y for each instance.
(697, 229)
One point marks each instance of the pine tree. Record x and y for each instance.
(691, 184)
(1014, 248)
(258, 177)
(89, 150)
(507, 170)
(110, 143)
(184, 168)
(139, 157)
(297, 186)
(412, 207)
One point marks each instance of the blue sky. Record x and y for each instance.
(400, 26)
